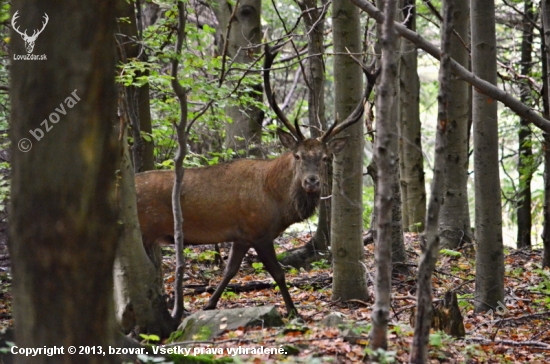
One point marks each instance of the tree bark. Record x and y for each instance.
(63, 232)
(316, 109)
(347, 215)
(413, 189)
(454, 219)
(137, 98)
(545, 5)
(240, 28)
(419, 347)
(525, 153)
(489, 287)
(181, 132)
(385, 156)
(139, 302)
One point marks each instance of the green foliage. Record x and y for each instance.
(450, 253)
(229, 295)
(368, 205)
(258, 267)
(149, 338)
(320, 264)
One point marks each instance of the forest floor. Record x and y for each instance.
(519, 331)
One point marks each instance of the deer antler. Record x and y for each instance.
(270, 54)
(355, 116)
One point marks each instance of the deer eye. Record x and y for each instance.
(297, 156)
(325, 158)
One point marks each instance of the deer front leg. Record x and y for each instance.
(236, 256)
(266, 253)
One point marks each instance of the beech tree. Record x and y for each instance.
(385, 155)
(63, 234)
(489, 288)
(454, 220)
(350, 279)
(239, 34)
(413, 189)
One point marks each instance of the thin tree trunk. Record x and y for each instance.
(181, 93)
(385, 155)
(546, 147)
(316, 109)
(454, 216)
(347, 209)
(525, 153)
(63, 232)
(413, 189)
(419, 348)
(489, 288)
(399, 255)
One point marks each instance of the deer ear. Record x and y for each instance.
(336, 145)
(287, 139)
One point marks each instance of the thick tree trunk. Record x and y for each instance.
(413, 189)
(245, 31)
(489, 288)
(63, 231)
(525, 153)
(347, 208)
(385, 156)
(454, 218)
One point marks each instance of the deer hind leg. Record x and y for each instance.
(266, 253)
(236, 256)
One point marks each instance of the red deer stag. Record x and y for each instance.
(247, 202)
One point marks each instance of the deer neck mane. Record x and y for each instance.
(283, 185)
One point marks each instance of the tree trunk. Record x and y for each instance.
(525, 153)
(413, 189)
(316, 110)
(454, 217)
(347, 215)
(385, 156)
(399, 255)
(63, 231)
(546, 147)
(489, 288)
(419, 347)
(241, 28)
(137, 98)
(139, 290)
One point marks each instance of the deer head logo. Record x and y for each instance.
(29, 40)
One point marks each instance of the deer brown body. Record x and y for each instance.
(247, 202)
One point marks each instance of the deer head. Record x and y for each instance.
(29, 40)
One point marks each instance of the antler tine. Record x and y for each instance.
(299, 134)
(270, 54)
(337, 127)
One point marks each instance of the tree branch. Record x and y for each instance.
(462, 73)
